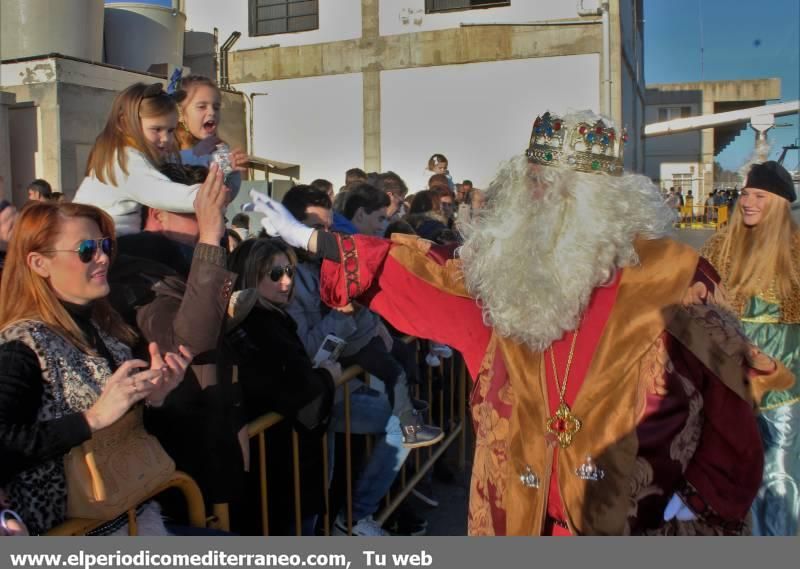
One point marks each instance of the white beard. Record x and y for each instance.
(534, 261)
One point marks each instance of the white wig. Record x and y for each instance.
(547, 238)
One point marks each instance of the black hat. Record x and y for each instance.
(771, 177)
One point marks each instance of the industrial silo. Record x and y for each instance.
(138, 36)
(39, 27)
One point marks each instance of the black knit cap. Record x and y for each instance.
(771, 177)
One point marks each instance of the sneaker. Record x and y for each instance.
(365, 527)
(423, 491)
(420, 435)
(405, 522)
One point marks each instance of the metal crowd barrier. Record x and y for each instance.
(453, 371)
(183, 482)
(702, 217)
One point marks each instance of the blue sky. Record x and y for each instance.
(741, 40)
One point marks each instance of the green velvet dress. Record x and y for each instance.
(777, 507)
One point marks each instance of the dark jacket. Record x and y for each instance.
(275, 372)
(276, 375)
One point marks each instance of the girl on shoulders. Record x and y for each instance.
(438, 164)
(199, 115)
(122, 170)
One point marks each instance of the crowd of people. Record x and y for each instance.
(624, 384)
(108, 298)
(707, 210)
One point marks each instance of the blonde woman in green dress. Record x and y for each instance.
(758, 258)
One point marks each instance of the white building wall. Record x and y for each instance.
(315, 122)
(477, 115)
(405, 16)
(338, 20)
(672, 172)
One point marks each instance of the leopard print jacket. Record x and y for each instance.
(72, 381)
(712, 251)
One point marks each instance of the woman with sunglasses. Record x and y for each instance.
(66, 369)
(122, 171)
(277, 375)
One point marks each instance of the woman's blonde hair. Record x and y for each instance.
(124, 128)
(760, 256)
(24, 295)
(183, 95)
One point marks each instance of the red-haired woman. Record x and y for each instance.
(65, 363)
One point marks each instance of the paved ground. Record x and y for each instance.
(450, 518)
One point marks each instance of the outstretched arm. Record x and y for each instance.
(408, 281)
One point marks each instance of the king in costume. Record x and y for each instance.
(614, 391)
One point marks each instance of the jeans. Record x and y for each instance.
(370, 413)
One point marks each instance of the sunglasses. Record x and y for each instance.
(87, 249)
(276, 273)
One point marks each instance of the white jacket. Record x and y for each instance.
(143, 185)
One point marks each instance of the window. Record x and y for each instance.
(448, 5)
(682, 181)
(669, 113)
(269, 17)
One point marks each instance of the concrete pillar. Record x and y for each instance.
(706, 173)
(49, 155)
(372, 120)
(6, 100)
(371, 85)
(370, 19)
(615, 31)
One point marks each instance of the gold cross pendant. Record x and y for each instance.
(563, 425)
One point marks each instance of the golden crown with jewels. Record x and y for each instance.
(583, 144)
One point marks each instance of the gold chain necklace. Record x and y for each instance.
(563, 425)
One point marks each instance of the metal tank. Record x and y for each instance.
(141, 35)
(39, 27)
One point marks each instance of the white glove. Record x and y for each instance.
(278, 221)
(677, 509)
